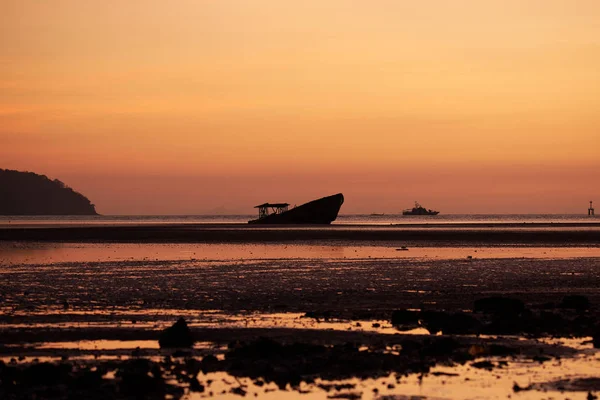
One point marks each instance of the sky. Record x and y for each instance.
(201, 106)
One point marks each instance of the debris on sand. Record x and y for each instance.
(209, 363)
(517, 388)
(499, 306)
(487, 365)
(177, 335)
(575, 302)
(138, 378)
(240, 391)
(437, 321)
(318, 315)
(347, 396)
(284, 364)
(441, 373)
(196, 386)
(336, 386)
(456, 323)
(502, 316)
(405, 317)
(591, 384)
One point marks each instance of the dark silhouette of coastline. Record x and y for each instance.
(27, 193)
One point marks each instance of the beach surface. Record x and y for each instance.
(300, 312)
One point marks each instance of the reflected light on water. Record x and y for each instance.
(48, 253)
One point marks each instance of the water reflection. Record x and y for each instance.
(443, 382)
(46, 253)
(160, 319)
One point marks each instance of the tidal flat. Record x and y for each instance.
(310, 319)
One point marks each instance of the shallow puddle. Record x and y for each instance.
(456, 382)
(100, 345)
(532, 379)
(209, 319)
(47, 253)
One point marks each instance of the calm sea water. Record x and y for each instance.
(357, 219)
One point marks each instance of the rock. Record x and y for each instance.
(596, 340)
(240, 391)
(499, 305)
(541, 359)
(318, 315)
(449, 374)
(434, 321)
(500, 350)
(45, 374)
(517, 388)
(583, 323)
(547, 306)
(508, 325)
(137, 352)
(181, 354)
(328, 387)
(461, 323)
(235, 344)
(405, 317)
(290, 364)
(549, 323)
(141, 378)
(209, 363)
(192, 367)
(488, 365)
(440, 346)
(178, 335)
(575, 302)
(196, 386)
(477, 350)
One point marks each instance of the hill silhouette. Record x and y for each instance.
(27, 193)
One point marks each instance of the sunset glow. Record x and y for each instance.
(152, 107)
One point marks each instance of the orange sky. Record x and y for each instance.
(149, 106)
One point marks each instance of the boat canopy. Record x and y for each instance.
(277, 208)
(275, 205)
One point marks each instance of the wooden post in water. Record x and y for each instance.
(591, 209)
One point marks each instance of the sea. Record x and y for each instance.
(343, 219)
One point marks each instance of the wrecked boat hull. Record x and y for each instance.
(320, 211)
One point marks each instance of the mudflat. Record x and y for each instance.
(336, 312)
(556, 234)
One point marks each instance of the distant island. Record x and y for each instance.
(27, 193)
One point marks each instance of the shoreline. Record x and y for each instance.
(534, 234)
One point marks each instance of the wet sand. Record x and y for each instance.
(322, 300)
(559, 234)
(47, 252)
(300, 284)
